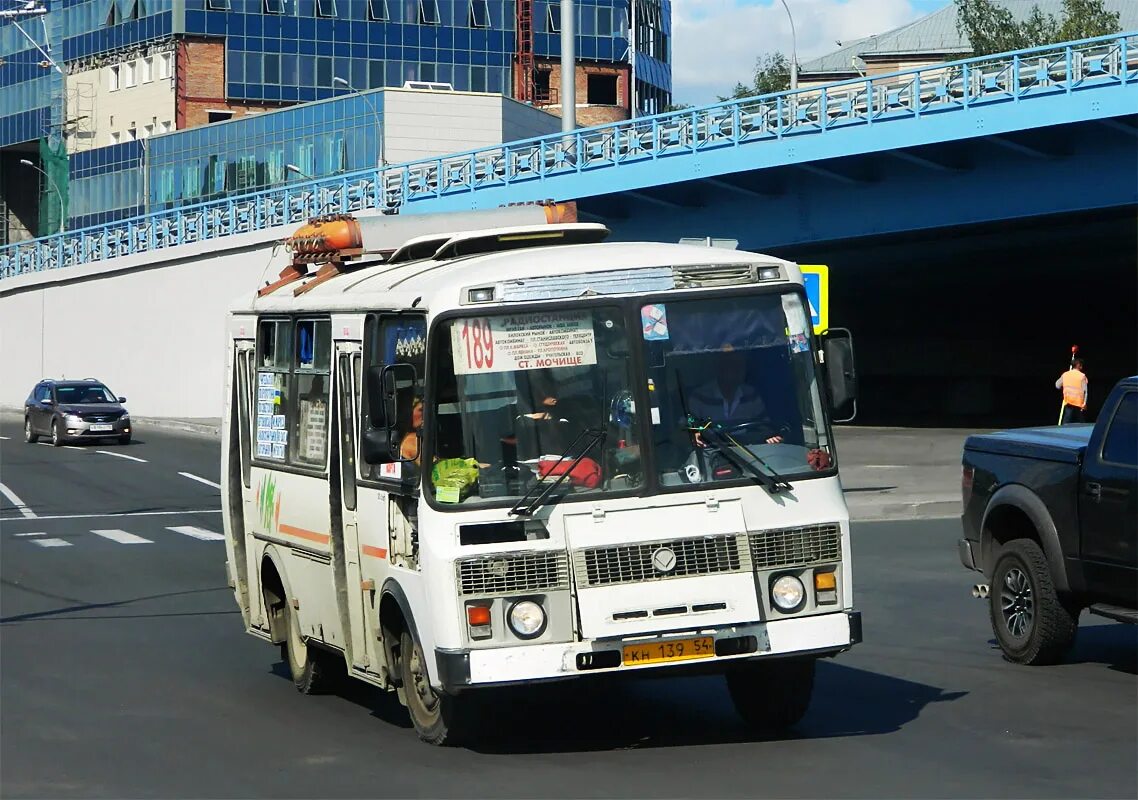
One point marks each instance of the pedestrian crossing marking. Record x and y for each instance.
(122, 537)
(51, 542)
(197, 533)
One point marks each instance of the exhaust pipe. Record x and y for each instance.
(980, 591)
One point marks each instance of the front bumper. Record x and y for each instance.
(824, 634)
(86, 429)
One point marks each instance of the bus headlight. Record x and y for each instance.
(787, 592)
(527, 619)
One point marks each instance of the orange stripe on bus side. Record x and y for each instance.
(301, 533)
(378, 552)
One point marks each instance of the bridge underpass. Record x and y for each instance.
(965, 270)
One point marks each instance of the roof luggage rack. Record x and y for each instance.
(340, 243)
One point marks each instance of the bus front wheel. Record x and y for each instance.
(436, 716)
(772, 695)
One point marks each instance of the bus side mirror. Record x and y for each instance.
(389, 390)
(841, 374)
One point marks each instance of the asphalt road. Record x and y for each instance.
(124, 672)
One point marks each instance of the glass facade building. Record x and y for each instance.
(285, 52)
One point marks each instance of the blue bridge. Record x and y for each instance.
(977, 216)
(980, 140)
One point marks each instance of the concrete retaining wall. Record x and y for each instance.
(153, 331)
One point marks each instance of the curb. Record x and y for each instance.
(211, 430)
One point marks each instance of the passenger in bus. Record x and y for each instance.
(409, 446)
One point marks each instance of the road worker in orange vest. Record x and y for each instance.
(1073, 384)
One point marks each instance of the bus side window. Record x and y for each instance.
(273, 389)
(312, 365)
(399, 339)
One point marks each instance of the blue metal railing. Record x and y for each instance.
(941, 88)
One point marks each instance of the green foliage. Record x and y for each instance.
(772, 74)
(991, 28)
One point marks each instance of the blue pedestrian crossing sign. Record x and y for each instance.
(816, 277)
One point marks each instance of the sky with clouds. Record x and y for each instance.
(715, 42)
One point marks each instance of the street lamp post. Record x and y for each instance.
(793, 50)
(378, 125)
(55, 188)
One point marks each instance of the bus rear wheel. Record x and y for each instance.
(438, 718)
(309, 667)
(772, 695)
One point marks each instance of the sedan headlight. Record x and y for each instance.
(787, 592)
(527, 619)
(73, 420)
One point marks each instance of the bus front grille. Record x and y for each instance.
(791, 547)
(511, 573)
(650, 561)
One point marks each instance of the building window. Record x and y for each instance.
(377, 10)
(428, 12)
(217, 5)
(131, 133)
(274, 6)
(164, 64)
(113, 78)
(601, 90)
(325, 8)
(128, 74)
(553, 19)
(478, 15)
(604, 22)
(116, 137)
(218, 116)
(146, 66)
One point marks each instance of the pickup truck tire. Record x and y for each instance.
(1032, 623)
(772, 695)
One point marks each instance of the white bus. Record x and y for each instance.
(507, 452)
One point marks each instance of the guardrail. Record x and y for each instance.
(929, 91)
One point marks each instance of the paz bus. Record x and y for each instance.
(489, 449)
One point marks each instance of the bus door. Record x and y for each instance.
(241, 505)
(361, 595)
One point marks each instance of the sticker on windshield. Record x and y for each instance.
(654, 322)
(507, 342)
(799, 343)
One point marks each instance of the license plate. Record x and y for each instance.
(102, 427)
(668, 650)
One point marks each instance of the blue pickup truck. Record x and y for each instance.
(1051, 521)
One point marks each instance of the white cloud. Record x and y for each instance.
(715, 42)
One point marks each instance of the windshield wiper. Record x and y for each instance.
(525, 507)
(771, 479)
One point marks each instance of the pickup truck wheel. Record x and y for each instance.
(1031, 622)
(772, 695)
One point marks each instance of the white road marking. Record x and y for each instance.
(197, 533)
(17, 502)
(5, 438)
(73, 447)
(122, 537)
(120, 514)
(122, 455)
(45, 444)
(200, 480)
(51, 542)
(37, 533)
(881, 466)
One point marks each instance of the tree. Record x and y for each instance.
(991, 28)
(772, 74)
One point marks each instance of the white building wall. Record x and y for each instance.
(108, 102)
(420, 124)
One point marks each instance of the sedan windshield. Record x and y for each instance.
(82, 394)
(733, 391)
(523, 398)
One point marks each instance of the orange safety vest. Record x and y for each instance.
(1073, 393)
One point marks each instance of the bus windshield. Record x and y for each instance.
(733, 390)
(519, 395)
